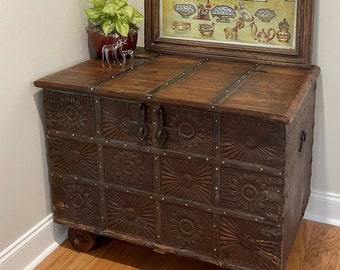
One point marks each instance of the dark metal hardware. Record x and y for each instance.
(161, 134)
(303, 138)
(142, 128)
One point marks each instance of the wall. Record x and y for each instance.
(42, 36)
(37, 37)
(327, 133)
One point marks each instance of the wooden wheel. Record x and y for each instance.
(81, 240)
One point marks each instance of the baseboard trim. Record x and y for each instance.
(34, 246)
(324, 207)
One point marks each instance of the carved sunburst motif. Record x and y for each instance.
(71, 113)
(76, 202)
(246, 193)
(78, 197)
(73, 157)
(249, 244)
(128, 167)
(190, 130)
(117, 119)
(251, 141)
(130, 213)
(186, 179)
(186, 227)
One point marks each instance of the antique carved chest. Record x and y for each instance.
(203, 158)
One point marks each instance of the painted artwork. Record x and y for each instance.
(261, 23)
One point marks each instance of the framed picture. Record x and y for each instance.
(263, 31)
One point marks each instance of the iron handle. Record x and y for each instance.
(303, 138)
(161, 134)
(142, 128)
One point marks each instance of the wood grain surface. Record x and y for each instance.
(317, 247)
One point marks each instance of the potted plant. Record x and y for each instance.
(107, 17)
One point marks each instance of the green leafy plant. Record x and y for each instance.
(113, 15)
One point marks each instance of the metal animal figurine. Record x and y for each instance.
(111, 47)
(115, 47)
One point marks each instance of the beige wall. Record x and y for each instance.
(38, 37)
(326, 169)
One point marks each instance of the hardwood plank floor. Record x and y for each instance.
(317, 247)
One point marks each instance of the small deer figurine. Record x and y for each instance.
(115, 47)
(125, 53)
(111, 47)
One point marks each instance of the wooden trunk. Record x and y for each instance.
(203, 158)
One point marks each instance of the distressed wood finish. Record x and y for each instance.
(198, 157)
(317, 246)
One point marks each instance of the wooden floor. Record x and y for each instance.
(317, 247)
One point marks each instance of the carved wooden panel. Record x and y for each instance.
(73, 157)
(121, 120)
(187, 179)
(76, 202)
(252, 193)
(253, 141)
(129, 213)
(249, 245)
(128, 168)
(187, 228)
(189, 130)
(69, 112)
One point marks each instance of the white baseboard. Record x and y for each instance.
(324, 208)
(34, 246)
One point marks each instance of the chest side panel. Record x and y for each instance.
(299, 168)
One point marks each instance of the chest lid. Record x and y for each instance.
(268, 92)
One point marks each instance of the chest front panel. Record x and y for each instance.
(183, 165)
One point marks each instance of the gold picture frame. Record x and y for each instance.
(262, 31)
